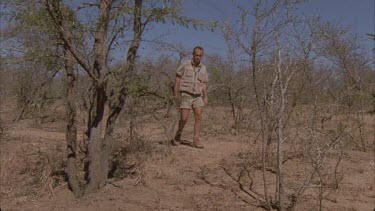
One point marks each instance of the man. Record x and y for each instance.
(190, 89)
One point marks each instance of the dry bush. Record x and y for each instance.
(30, 173)
(129, 157)
(219, 120)
(241, 177)
(323, 150)
(132, 148)
(315, 140)
(215, 199)
(48, 171)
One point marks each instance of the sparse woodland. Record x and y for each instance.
(289, 126)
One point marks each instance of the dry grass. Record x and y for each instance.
(28, 172)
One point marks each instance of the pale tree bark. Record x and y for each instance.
(253, 51)
(280, 137)
(284, 73)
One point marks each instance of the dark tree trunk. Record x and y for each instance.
(95, 171)
(97, 147)
(71, 128)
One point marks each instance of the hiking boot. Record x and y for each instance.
(177, 139)
(186, 142)
(175, 142)
(197, 143)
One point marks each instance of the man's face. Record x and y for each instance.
(197, 56)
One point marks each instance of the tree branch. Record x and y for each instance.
(55, 14)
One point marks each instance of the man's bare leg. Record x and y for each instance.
(184, 116)
(198, 113)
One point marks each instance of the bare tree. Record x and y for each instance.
(232, 80)
(270, 18)
(280, 50)
(354, 68)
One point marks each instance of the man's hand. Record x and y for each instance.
(177, 98)
(176, 94)
(205, 100)
(204, 92)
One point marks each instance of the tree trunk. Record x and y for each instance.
(261, 110)
(96, 180)
(98, 147)
(233, 107)
(71, 128)
(280, 135)
(114, 112)
(362, 124)
(137, 29)
(280, 181)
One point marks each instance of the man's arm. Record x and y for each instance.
(177, 81)
(205, 96)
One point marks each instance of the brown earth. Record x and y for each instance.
(163, 177)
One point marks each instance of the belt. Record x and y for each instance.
(195, 95)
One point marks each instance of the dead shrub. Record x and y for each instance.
(129, 159)
(31, 173)
(48, 172)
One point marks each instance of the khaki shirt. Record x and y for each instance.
(192, 78)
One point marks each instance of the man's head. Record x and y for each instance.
(197, 55)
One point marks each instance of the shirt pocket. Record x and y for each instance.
(188, 75)
(200, 77)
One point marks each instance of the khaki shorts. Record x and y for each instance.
(190, 101)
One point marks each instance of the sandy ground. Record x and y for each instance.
(168, 178)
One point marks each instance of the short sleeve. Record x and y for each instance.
(205, 77)
(180, 69)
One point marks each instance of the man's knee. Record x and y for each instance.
(184, 115)
(183, 120)
(198, 117)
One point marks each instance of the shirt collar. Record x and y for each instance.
(199, 65)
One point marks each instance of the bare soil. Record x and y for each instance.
(162, 177)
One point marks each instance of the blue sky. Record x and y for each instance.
(358, 14)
